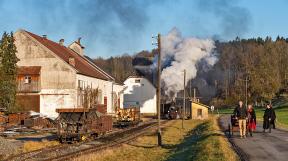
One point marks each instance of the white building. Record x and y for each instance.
(52, 76)
(138, 91)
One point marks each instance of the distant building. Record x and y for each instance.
(199, 111)
(51, 76)
(138, 91)
(193, 108)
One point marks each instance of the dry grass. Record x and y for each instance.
(200, 140)
(35, 145)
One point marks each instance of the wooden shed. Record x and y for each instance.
(199, 110)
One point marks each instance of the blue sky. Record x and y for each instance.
(114, 27)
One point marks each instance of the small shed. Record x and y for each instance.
(199, 110)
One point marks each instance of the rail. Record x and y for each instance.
(69, 151)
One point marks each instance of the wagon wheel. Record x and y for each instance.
(232, 132)
(229, 130)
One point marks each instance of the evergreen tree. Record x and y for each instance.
(8, 72)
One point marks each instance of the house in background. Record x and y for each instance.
(138, 91)
(51, 76)
(193, 108)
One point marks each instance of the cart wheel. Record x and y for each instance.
(230, 131)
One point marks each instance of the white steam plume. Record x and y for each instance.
(185, 53)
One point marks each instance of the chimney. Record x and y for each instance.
(61, 42)
(72, 61)
(44, 36)
(77, 47)
(79, 40)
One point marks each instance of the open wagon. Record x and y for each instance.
(78, 124)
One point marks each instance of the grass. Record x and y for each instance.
(200, 140)
(35, 145)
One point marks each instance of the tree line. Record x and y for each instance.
(263, 63)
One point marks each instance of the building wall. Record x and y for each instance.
(195, 107)
(118, 89)
(142, 94)
(104, 86)
(57, 78)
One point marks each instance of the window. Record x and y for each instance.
(80, 84)
(199, 112)
(27, 79)
(99, 97)
(137, 80)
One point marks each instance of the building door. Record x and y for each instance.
(199, 112)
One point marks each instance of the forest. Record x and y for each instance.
(259, 64)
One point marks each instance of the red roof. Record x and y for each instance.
(29, 70)
(82, 65)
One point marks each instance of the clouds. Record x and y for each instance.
(233, 19)
(116, 26)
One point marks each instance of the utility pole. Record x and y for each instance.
(184, 100)
(158, 87)
(246, 91)
(190, 93)
(194, 95)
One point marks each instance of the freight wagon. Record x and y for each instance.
(76, 124)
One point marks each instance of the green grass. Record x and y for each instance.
(199, 141)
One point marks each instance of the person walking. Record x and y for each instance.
(269, 116)
(273, 116)
(251, 115)
(241, 114)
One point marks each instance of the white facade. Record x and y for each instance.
(106, 89)
(138, 91)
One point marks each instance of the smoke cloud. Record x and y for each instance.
(183, 53)
(234, 20)
(101, 23)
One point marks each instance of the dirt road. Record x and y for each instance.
(262, 146)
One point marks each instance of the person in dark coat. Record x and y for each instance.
(268, 118)
(241, 114)
(273, 117)
(251, 115)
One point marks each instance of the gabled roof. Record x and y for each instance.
(82, 65)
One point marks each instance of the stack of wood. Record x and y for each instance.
(3, 121)
(39, 122)
(17, 118)
(128, 114)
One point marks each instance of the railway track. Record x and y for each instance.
(69, 151)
